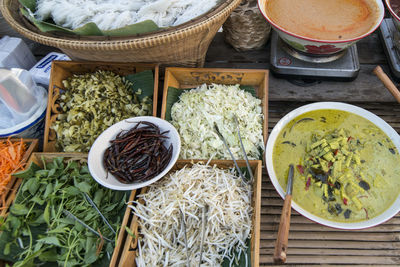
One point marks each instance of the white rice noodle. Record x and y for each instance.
(161, 235)
(113, 14)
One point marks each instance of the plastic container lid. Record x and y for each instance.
(14, 53)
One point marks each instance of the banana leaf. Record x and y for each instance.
(172, 97)
(242, 262)
(143, 80)
(89, 29)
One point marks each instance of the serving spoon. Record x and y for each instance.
(387, 82)
(281, 243)
(242, 147)
(230, 152)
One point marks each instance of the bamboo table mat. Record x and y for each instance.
(314, 244)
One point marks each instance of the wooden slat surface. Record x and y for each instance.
(314, 244)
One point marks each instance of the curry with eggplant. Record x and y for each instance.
(348, 170)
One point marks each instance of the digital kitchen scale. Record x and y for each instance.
(388, 34)
(291, 64)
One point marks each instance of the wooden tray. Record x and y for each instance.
(49, 156)
(313, 244)
(60, 70)
(184, 78)
(13, 185)
(125, 252)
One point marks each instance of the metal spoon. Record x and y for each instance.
(186, 242)
(227, 147)
(243, 150)
(72, 216)
(99, 212)
(203, 230)
(281, 244)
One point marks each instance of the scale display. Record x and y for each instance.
(284, 63)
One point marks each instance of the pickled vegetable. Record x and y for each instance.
(91, 103)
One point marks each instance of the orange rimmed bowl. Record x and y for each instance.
(318, 46)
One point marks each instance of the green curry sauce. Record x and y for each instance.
(347, 169)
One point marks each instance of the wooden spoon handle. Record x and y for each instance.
(387, 82)
(281, 244)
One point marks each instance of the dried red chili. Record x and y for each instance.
(366, 213)
(138, 154)
(308, 183)
(300, 168)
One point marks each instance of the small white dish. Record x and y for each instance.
(95, 157)
(386, 128)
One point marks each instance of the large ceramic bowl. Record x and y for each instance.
(315, 46)
(95, 157)
(395, 17)
(386, 128)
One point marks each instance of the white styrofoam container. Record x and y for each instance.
(16, 85)
(41, 71)
(14, 53)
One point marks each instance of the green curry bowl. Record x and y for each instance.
(347, 164)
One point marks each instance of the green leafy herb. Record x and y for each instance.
(51, 221)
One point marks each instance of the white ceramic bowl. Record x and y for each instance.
(95, 158)
(390, 132)
(316, 46)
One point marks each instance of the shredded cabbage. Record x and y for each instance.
(197, 110)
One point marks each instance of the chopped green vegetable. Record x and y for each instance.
(335, 155)
(90, 104)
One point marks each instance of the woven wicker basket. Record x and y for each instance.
(246, 28)
(184, 45)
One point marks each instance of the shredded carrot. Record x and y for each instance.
(11, 154)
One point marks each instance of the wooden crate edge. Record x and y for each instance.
(127, 254)
(155, 67)
(13, 186)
